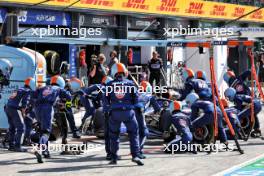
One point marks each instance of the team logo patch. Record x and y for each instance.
(239, 88)
(119, 94)
(46, 92)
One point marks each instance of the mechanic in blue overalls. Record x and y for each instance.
(203, 114)
(145, 99)
(45, 99)
(238, 83)
(182, 123)
(121, 98)
(28, 119)
(89, 107)
(15, 111)
(242, 104)
(232, 114)
(199, 86)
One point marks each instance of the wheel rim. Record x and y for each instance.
(201, 133)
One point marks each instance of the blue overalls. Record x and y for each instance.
(203, 114)
(16, 102)
(232, 114)
(145, 99)
(87, 102)
(241, 101)
(182, 123)
(45, 99)
(199, 86)
(121, 104)
(90, 109)
(30, 116)
(239, 85)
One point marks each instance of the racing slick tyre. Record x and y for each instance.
(245, 125)
(204, 134)
(99, 121)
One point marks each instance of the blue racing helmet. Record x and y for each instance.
(228, 75)
(75, 84)
(187, 73)
(200, 75)
(57, 80)
(175, 106)
(106, 79)
(118, 68)
(31, 83)
(230, 93)
(191, 98)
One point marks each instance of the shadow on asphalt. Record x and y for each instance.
(75, 168)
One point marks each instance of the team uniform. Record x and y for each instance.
(242, 101)
(203, 114)
(182, 123)
(14, 110)
(45, 99)
(199, 86)
(145, 100)
(120, 104)
(238, 83)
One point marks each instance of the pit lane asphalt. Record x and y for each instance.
(93, 162)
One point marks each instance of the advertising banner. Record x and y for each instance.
(44, 17)
(186, 8)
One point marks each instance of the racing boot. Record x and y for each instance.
(46, 154)
(76, 135)
(113, 162)
(38, 156)
(256, 133)
(138, 161)
(108, 157)
(142, 156)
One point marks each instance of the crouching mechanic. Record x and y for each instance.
(198, 85)
(45, 99)
(203, 114)
(15, 111)
(232, 114)
(182, 123)
(121, 97)
(242, 104)
(238, 82)
(145, 99)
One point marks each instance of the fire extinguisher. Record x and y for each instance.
(130, 56)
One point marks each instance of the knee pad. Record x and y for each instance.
(188, 137)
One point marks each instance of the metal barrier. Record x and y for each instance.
(135, 71)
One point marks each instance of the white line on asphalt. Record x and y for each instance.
(229, 170)
(95, 149)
